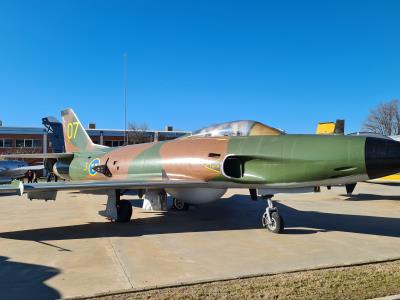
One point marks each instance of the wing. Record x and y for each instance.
(39, 155)
(19, 188)
(27, 168)
(16, 187)
(18, 172)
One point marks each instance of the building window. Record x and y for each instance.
(28, 143)
(19, 143)
(37, 143)
(7, 143)
(113, 143)
(116, 143)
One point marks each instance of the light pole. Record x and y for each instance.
(125, 93)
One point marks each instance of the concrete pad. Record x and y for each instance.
(64, 249)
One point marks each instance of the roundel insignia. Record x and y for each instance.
(95, 162)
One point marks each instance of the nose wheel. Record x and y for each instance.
(271, 219)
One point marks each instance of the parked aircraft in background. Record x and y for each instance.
(15, 169)
(200, 168)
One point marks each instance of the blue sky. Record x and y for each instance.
(289, 64)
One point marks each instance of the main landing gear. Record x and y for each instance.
(179, 205)
(117, 210)
(124, 211)
(271, 218)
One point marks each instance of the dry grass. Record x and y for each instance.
(358, 282)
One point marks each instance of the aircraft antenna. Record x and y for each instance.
(125, 93)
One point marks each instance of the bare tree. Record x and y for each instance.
(384, 119)
(137, 133)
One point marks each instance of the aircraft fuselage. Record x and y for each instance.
(282, 161)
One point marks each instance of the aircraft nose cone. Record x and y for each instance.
(382, 157)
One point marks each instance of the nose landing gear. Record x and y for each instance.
(271, 218)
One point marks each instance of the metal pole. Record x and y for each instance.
(125, 92)
(45, 150)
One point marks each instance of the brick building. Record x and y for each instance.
(36, 139)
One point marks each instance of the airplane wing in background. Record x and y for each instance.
(39, 155)
(18, 188)
(7, 175)
(27, 168)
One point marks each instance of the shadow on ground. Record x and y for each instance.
(371, 197)
(235, 213)
(25, 281)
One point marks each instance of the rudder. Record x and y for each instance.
(76, 138)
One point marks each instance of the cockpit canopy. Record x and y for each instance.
(237, 128)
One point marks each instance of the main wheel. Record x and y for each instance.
(124, 211)
(179, 205)
(276, 225)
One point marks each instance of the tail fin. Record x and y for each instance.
(76, 138)
(330, 127)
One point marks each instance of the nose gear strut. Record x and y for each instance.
(271, 218)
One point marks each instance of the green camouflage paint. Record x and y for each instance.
(265, 159)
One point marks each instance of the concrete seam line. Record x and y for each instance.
(120, 263)
(223, 279)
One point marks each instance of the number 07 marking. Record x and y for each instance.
(72, 129)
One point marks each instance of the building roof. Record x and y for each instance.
(5, 130)
(120, 132)
(21, 130)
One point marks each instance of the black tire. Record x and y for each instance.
(124, 211)
(179, 205)
(277, 225)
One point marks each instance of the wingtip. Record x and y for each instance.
(19, 187)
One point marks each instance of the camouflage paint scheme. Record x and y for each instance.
(266, 159)
(251, 155)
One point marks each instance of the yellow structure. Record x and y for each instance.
(326, 128)
(395, 178)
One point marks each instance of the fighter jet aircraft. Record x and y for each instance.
(200, 168)
(14, 169)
